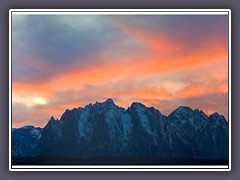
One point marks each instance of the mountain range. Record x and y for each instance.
(105, 130)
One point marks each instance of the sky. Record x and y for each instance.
(63, 62)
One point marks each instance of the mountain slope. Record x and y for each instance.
(107, 130)
(25, 140)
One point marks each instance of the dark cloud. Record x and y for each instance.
(184, 28)
(193, 32)
(65, 43)
(55, 38)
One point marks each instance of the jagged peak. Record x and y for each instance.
(197, 110)
(182, 109)
(52, 118)
(217, 117)
(180, 112)
(137, 104)
(109, 101)
(88, 106)
(215, 114)
(52, 121)
(200, 111)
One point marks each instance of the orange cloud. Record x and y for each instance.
(158, 43)
(23, 89)
(200, 90)
(170, 55)
(168, 58)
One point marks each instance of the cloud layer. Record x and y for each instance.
(64, 61)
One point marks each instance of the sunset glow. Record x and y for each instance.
(61, 62)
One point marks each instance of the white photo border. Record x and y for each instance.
(122, 12)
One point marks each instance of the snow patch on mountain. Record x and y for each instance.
(82, 122)
(142, 115)
(127, 125)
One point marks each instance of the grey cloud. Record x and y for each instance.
(66, 43)
(23, 115)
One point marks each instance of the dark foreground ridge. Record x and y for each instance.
(104, 133)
